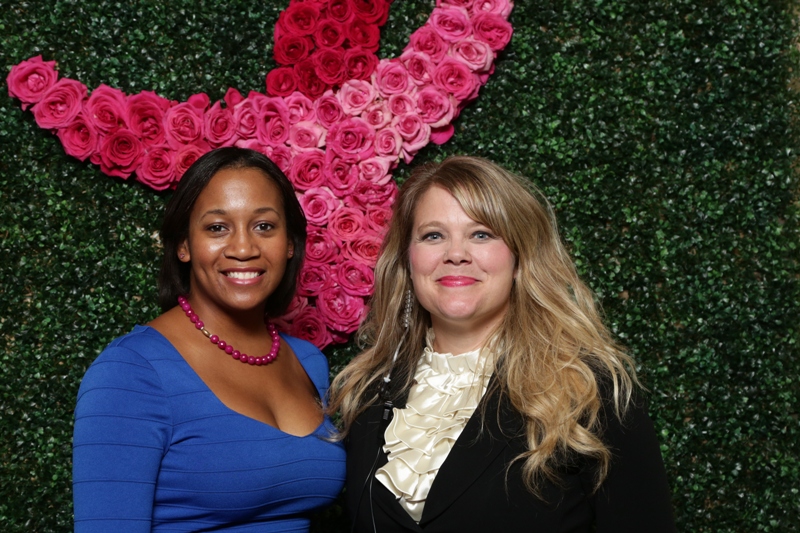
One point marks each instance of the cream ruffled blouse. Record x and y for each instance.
(419, 437)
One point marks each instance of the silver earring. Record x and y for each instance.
(407, 310)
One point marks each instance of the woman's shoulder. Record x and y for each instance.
(312, 359)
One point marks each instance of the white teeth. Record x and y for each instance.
(242, 275)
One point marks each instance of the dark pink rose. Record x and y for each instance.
(355, 96)
(477, 55)
(364, 249)
(30, 80)
(144, 115)
(378, 218)
(314, 278)
(281, 81)
(329, 110)
(400, 104)
(220, 126)
(329, 64)
(200, 101)
(376, 169)
(492, 29)
(346, 224)
(79, 138)
(442, 134)
(185, 157)
(105, 108)
(329, 34)
(272, 126)
(299, 18)
(307, 170)
(367, 194)
(418, 65)
(391, 77)
(301, 108)
(320, 247)
(466, 4)
(246, 116)
(291, 49)
(296, 306)
(232, 97)
(363, 34)
(455, 78)
(341, 175)
(340, 310)
(371, 11)
(377, 114)
(340, 10)
(120, 154)
(427, 41)
(355, 277)
(308, 81)
(318, 203)
(415, 133)
(451, 23)
(352, 139)
(498, 7)
(434, 106)
(310, 325)
(306, 136)
(60, 104)
(184, 125)
(360, 63)
(388, 142)
(157, 169)
(281, 156)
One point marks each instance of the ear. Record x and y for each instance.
(183, 252)
(290, 253)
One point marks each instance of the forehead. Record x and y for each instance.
(238, 188)
(438, 203)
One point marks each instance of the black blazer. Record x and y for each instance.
(476, 491)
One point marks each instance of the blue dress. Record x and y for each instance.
(155, 450)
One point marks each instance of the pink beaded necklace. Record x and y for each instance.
(227, 348)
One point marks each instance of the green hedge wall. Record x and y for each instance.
(664, 131)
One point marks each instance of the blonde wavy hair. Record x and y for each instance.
(551, 350)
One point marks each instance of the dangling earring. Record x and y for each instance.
(384, 392)
(407, 310)
(182, 256)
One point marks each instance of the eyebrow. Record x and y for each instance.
(259, 211)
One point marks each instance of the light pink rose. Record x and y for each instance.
(306, 136)
(272, 126)
(401, 104)
(427, 41)
(321, 248)
(498, 7)
(391, 77)
(346, 224)
(477, 55)
(120, 154)
(329, 64)
(355, 278)
(364, 249)
(79, 138)
(307, 170)
(377, 114)
(352, 139)
(434, 106)
(301, 108)
(105, 108)
(144, 115)
(220, 126)
(415, 133)
(418, 65)
(281, 81)
(184, 125)
(376, 169)
(340, 310)
(451, 23)
(388, 142)
(310, 325)
(360, 63)
(60, 104)
(378, 218)
(30, 80)
(367, 194)
(314, 278)
(328, 110)
(455, 78)
(300, 18)
(493, 30)
(355, 96)
(330, 33)
(341, 175)
(318, 203)
(157, 169)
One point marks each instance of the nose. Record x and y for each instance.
(241, 246)
(457, 252)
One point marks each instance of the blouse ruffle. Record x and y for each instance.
(418, 439)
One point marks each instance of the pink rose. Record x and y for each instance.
(391, 77)
(355, 96)
(281, 156)
(388, 142)
(340, 310)
(418, 65)
(246, 115)
(301, 108)
(355, 278)
(352, 139)
(376, 169)
(451, 23)
(455, 78)
(364, 249)
(378, 218)
(367, 194)
(442, 134)
(185, 157)
(184, 125)
(364, 35)
(320, 247)
(30, 80)
(220, 126)
(272, 126)
(360, 63)
(120, 154)
(427, 41)
(498, 7)
(281, 81)
(475, 54)
(466, 4)
(434, 106)
(306, 136)
(318, 203)
(291, 49)
(310, 325)
(157, 169)
(346, 224)
(253, 144)
(307, 170)
(308, 81)
(377, 114)
(300, 18)
(232, 97)
(60, 104)
(341, 175)
(79, 138)
(296, 306)
(371, 11)
(400, 104)
(329, 64)
(415, 132)
(106, 109)
(314, 278)
(329, 34)
(493, 30)
(144, 115)
(340, 10)
(329, 110)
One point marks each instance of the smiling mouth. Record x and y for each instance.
(243, 275)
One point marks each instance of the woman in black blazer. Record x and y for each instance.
(492, 397)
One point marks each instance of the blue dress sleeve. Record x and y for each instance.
(122, 429)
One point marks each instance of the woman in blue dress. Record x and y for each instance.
(207, 419)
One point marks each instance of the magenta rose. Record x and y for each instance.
(281, 81)
(418, 65)
(388, 142)
(272, 126)
(301, 108)
(376, 169)
(434, 106)
(329, 64)
(306, 136)
(79, 138)
(307, 170)
(281, 156)
(341, 175)
(30, 80)
(320, 247)
(120, 153)
(220, 126)
(401, 104)
(363, 34)
(60, 104)
(296, 306)
(246, 116)
(185, 157)
(328, 110)
(340, 310)
(367, 194)
(492, 29)
(377, 114)
(427, 41)
(451, 23)
(314, 278)
(355, 96)
(378, 218)
(415, 133)
(329, 34)
(318, 203)
(346, 224)
(498, 7)
(391, 77)
(352, 139)
(360, 63)
(308, 81)
(232, 97)
(340, 10)
(144, 114)
(300, 18)
(455, 78)
(157, 169)
(477, 55)
(291, 49)
(364, 249)
(184, 125)
(106, 109)
(355, 277)
(310, 325)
